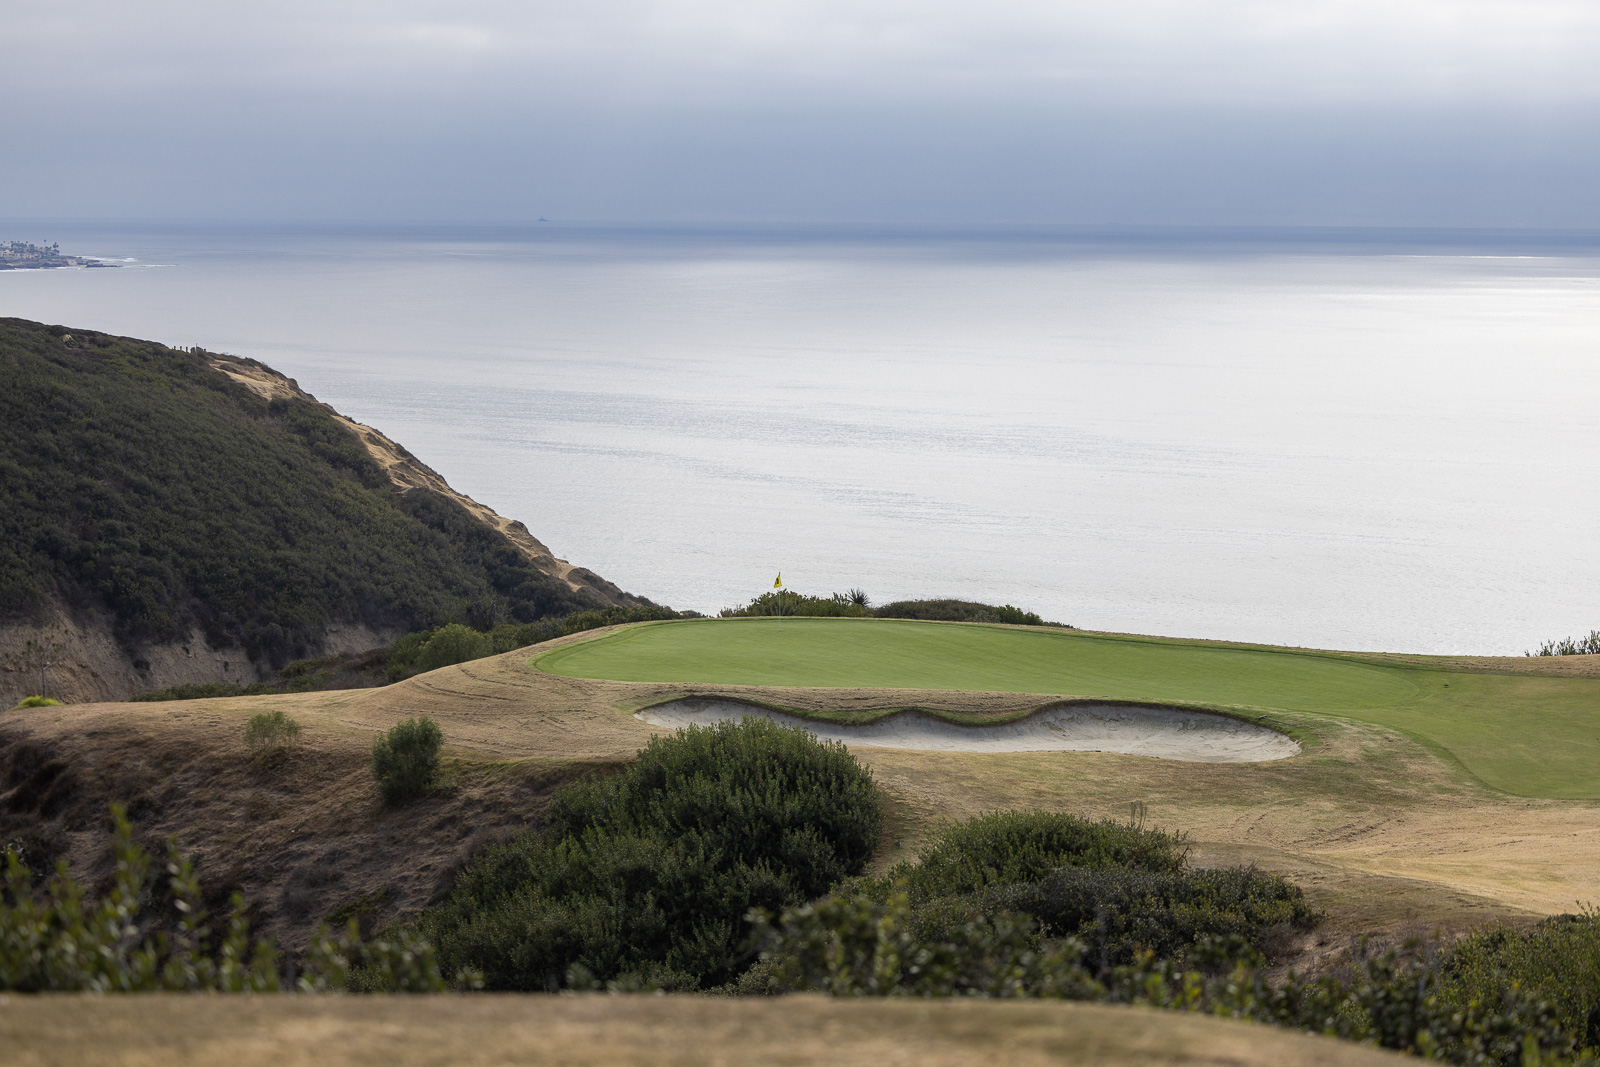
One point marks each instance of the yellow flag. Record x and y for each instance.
(779, 583)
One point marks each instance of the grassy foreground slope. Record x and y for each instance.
(1530, 735)
(626, 1031)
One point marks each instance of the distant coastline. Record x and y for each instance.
(20, 255)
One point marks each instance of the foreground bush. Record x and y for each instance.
(1100, 912)
(36, 702)
(405, 761)
(1557, 961)
(1121, 913)
(645, 878)
(55, 939)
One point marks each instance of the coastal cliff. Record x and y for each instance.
(170, 516)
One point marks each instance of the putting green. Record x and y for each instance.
(1525, 734)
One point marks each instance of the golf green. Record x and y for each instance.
(1525, 734)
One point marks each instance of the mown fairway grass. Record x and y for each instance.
(1525, 734)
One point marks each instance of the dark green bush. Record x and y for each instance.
(645, 878)
(1558, 961)
(1121, 912)
(405, 761)
(1011, 847)
(959, 611)
(453, 643)
(1106, 913)
(853, 945)
(787, 602)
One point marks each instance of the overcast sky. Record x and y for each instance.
(1367, 112)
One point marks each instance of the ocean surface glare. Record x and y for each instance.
(1377, 441)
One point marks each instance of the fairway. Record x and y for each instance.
(1525, 734)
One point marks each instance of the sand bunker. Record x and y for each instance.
(1139, 731)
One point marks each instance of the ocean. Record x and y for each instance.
(1368, 440)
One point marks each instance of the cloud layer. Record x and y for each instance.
(1473, 112)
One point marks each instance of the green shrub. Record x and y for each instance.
(452, 644)
(1121, 912)
(787, 602)
(36, 702)
(268, 731)
(645, 878)
(959, 611)
(1120, 888)
(1101, 912)
(1011, 847)
(405, 761)
(1557, 961)
(852, 945)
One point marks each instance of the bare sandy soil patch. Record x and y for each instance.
(178, 1031)
(1130, 729)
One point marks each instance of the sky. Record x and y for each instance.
(1158, 112)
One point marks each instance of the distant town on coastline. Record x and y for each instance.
(20, 255)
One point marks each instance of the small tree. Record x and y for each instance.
(405, 761)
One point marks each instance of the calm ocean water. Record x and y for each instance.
(1363, 441)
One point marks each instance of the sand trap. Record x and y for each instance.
(1139, 731)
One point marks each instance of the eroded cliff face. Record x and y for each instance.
(83, 662)
(407, 474)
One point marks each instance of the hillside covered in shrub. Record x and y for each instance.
(145, 482)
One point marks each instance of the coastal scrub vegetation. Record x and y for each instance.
(1039, 905)
(643, 879)
(1567, 646)
(856, 605)
(138, 481)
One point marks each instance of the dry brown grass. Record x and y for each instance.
(1383, 833)
(175, 1031)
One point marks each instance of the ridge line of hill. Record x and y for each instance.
(406, 473)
